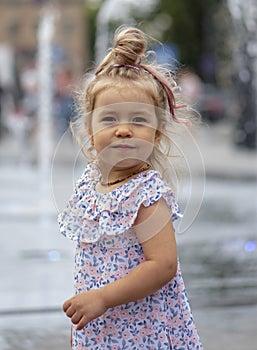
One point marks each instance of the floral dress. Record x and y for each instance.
(108, 249)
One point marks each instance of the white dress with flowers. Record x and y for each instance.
(108, 249)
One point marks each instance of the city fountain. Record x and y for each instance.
(117, 12)
(45, 91)
(244, 17)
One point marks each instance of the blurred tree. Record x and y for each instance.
(192, 30)
(187, 24)
(104, 16)
(91, 9)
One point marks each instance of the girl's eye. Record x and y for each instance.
(108, 119)
(139, 120)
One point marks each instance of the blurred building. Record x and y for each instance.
(19, 20)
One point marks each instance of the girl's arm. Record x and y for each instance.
(159, 267)
(160, 253)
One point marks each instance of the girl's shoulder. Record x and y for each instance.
(147, 188)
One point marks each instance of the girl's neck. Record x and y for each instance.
(116, 175)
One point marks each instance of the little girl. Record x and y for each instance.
(129, 290)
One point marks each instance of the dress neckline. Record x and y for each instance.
(120, 187)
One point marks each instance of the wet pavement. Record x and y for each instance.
(218, 251)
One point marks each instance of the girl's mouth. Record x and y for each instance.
(124, 147)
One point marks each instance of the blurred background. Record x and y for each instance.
(45, 49)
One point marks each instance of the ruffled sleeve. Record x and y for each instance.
(89, 215)
(157, 188)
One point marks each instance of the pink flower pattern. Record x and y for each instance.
(107, 249)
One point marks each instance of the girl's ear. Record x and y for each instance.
(158, 136)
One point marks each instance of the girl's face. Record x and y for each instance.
(124, 126)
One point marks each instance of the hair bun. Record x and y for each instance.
(129, 46)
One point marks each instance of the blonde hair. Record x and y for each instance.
(128, 64)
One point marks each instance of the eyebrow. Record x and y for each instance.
(101, 111)
(115, 111)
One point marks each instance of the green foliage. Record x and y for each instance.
(90, 19)
(190, 26)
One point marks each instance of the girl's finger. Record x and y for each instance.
(66, 305)
(76, 317)
(82, 323)
(70, 311)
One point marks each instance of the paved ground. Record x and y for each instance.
(36, 263)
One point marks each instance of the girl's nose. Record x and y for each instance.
(123, 130)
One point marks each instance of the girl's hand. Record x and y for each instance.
(84, 307)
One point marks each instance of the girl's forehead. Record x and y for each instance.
(113, 95)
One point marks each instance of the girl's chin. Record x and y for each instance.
(128, 164)
(122, 164)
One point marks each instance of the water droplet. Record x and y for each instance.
(54, 255)
(250, 246)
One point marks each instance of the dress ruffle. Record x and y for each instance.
(90, 215)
